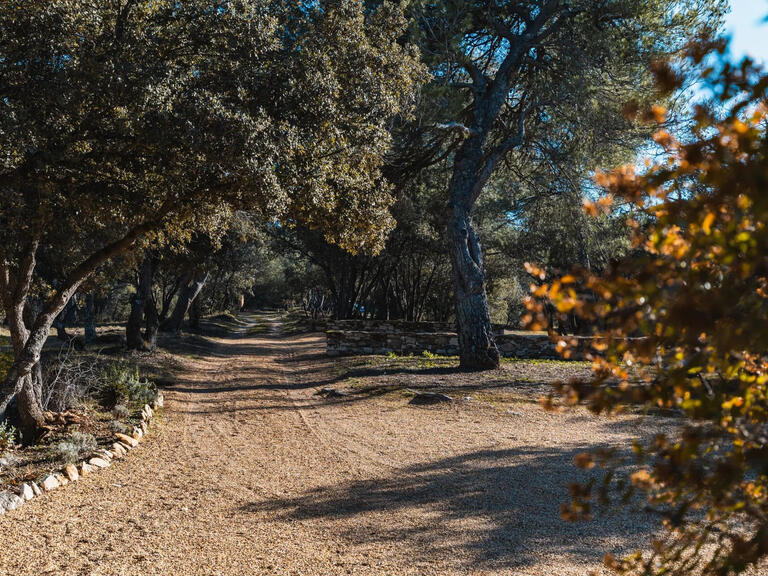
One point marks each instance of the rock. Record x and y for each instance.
(4, 462)
(159, 401)
(332, 393)
(86, 468)
(144, 427)
(63, 480)
(36, 489)
(26, 492)
(138, 433)
(125, 446)
(427, 397)
(50, 482)
(71, 471)
(97, 462)
(17, 500)
(118, 450)
(103, 454)
(9, 500)
(125, 439)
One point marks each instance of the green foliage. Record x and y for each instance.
(74, 447)
(115, 138)
(9, 436)
(117, 426)
(121, 411)
(121, 383)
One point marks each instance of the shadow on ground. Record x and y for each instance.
(487, 502)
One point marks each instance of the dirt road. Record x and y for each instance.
(251, 473)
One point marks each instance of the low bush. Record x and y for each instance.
(76, 445)
(121, 384)
(121, 412)
(119, 427)
(9, 436)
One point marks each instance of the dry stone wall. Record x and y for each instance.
(352, 338)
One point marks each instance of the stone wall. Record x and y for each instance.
(352, 338)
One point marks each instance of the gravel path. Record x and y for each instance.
(249, 473)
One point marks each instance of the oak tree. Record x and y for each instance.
(128, 121)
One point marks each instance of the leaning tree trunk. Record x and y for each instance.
(477, 348)
(189, 291)
(25, 385)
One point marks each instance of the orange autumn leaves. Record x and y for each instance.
(681, 325)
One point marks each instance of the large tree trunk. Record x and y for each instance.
(25, 384)
(189, 291)
(195, 311)
(141, 304)
(30, 405)
(477, 348)
(133, 337)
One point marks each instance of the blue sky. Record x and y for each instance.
(748, 30)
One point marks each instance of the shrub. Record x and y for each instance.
(141, 391)
(8, 436)
(121, 411)
(69, 379)
(114, 383)
(696, 289)
(119, 427)
(77, 444)
(121, 383)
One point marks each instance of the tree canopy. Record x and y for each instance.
(123, 120)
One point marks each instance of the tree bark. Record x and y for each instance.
(143, 305)
(152, 320)
(133, 337)
(28, 344)
(189, 291)
(195, 311)
(89, 318)
(477, 347)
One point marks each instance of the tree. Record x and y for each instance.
(695, 292)
(529, 79)
(136, 123)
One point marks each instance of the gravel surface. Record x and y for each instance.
(250, 472)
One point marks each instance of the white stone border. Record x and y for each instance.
(101, 458)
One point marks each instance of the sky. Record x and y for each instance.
(748, 30)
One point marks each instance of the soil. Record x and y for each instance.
(252, 472)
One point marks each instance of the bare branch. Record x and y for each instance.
(456, 126)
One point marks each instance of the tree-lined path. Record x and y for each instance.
(250, 472)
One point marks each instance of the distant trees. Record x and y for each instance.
(696, 290)
(131, 124)
(539, 83)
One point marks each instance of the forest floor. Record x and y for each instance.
(251, 472)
